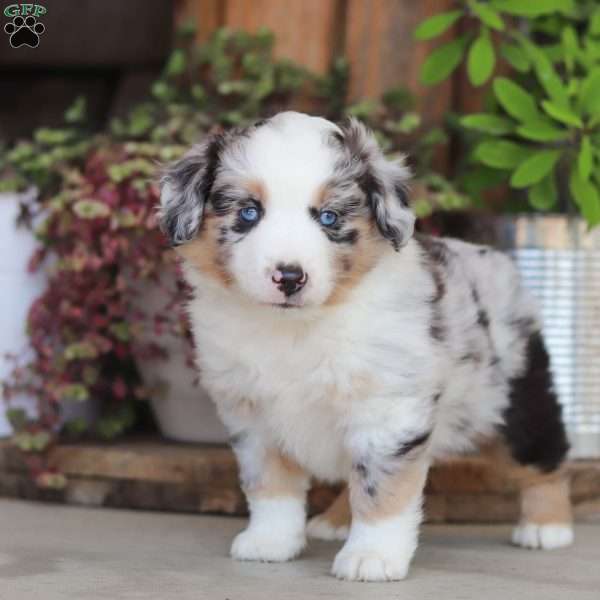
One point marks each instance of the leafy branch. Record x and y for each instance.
(545, 118)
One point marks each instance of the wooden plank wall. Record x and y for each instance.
(375, 35)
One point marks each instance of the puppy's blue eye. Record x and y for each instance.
(249, 214)
(328, 218)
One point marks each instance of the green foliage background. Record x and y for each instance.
(541, 126)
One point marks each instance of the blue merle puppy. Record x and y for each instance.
(337, 344)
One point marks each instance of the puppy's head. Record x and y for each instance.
(291, 212)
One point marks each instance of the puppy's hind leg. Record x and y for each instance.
(334, 523)
(546, 521)
(537, 445)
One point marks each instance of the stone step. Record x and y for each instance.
(157, 475)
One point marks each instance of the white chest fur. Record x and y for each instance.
(303, 381)
(295, 384)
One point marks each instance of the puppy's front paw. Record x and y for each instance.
(543, 537)
(266, 546)
(321, 528)
(356, 564)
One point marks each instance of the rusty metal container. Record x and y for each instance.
(559, 260)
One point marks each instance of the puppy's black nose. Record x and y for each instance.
(289, 278)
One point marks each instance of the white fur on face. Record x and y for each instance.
(286, 235)
(291, 158)
(289, 169)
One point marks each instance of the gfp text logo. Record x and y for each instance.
(24, 29)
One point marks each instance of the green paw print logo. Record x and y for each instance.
(25, 29)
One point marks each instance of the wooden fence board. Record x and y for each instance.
(377, 37)
(383, 53)
(305, 30)
(206, 14)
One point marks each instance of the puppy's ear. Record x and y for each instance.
(185, 187)
(383, 181)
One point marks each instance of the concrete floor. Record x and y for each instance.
(51, 552)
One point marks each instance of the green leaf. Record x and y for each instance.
(561, 113)
(589, 96)
(53, 137)
(553, 52)
(232, 117)
(586, 195)
(17, 417)
(515, 100)
(573, 87)
(23, 151)
(32, 442)
(516, 57)
(479, 177)
(585, 159)
(80, 351)
(121, 331)
(437, 24)
(176, 63)
(542, 130)
(40, 440)
(91, 209)
(234, 87)
(408, 123)
(363, 109)
(595, 23)
(545, 72)
(481, 59)
(398, 98)
(77, 111)
(50, 480)
(535, 168)
(487, 15)
(501, 154)
(534, 8)
(73, 392)
(443, 60)
(199, 94)
(570, 45)
(76, 426)
(22, 441)
(493, 124)
(543, 195)
(187, 28)
(590, 52)
(163, 91)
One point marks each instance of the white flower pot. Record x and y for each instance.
(182, 408)
(19, 290)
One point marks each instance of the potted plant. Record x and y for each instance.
(539, 136)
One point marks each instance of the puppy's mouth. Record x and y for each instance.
(285, 305)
